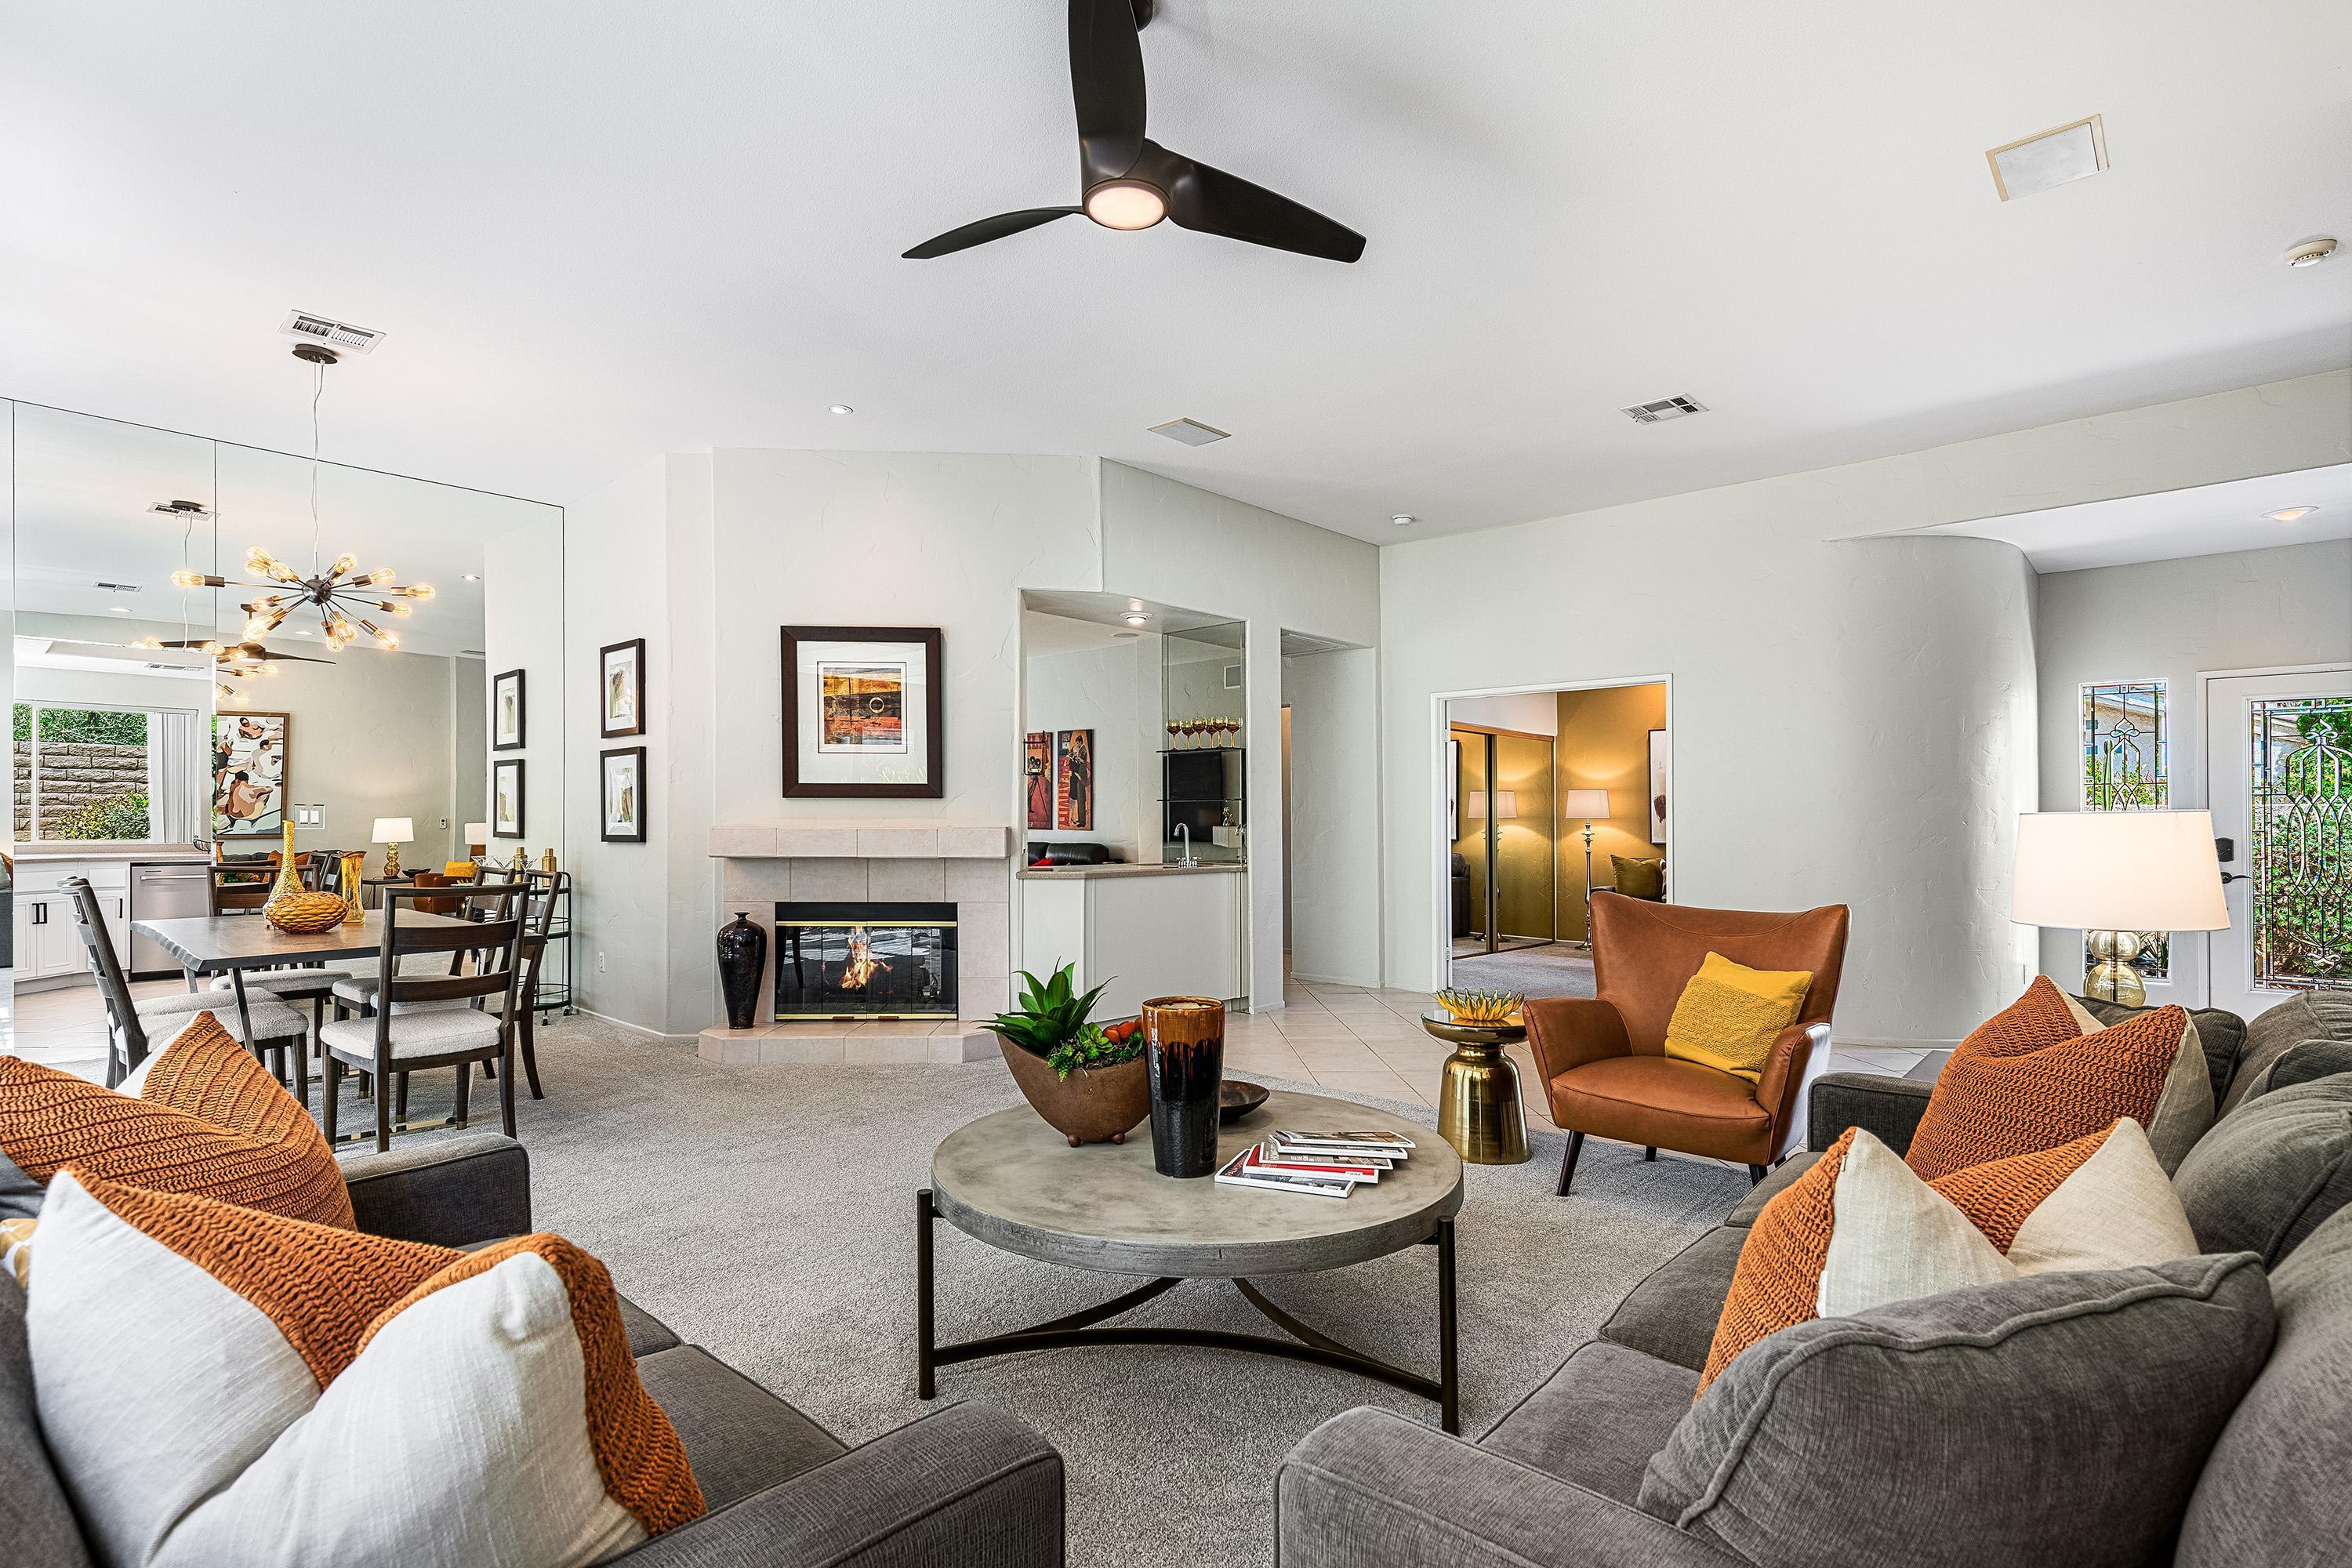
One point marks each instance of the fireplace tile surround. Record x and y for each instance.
(969, 866)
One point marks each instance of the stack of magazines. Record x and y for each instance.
(1323, 1164)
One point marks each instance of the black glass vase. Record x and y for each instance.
(1184, 1042)
(743, 954)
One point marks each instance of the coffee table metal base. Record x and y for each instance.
(1304, 1344)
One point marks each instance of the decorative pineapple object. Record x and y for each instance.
(1481, 1008)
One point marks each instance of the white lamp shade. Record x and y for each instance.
(1587, 804)
(477, 833)
(393, 830)
(2118, 870)
(1506, 804)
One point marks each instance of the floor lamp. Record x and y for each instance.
(1587, 804)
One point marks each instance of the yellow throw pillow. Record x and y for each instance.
(1729, 1014)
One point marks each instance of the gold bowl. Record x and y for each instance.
(1481, 1008)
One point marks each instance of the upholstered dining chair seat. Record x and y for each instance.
(422, 1032)
(303, 983)
(272, 1019)
(362, 990)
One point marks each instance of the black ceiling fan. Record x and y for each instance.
(239, 658)
(1130, 181)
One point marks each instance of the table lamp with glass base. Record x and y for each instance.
(2113, 875)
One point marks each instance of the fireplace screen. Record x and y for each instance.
(865, 961)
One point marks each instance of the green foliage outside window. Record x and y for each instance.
(117, 816)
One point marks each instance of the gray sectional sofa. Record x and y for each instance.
(1560, 1479)
(965, 1487)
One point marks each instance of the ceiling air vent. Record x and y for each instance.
(117, 587)
(335, 334)
(179, 508)
(1192, 432)
(1663, 409)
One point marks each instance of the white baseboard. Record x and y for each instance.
(688, 1041)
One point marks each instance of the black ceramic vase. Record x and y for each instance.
(742, 953)
(1184, 1042)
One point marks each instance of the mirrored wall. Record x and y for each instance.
(180, 694)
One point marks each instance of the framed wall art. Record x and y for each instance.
(624, 794)
(506, 798)
(1074, 785)
(507, 711)
(1038, 777)
(621, 685)
(251, 765)
(1657, 786)
(863, 712)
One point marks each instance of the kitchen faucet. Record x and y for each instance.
(1185, 828)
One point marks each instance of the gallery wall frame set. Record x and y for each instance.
(621, 689)
(507, 711)
(621, 794)
(506, 797)
(863, 712)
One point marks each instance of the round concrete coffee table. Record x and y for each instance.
(1011, 1180)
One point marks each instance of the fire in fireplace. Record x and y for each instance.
(864, 961)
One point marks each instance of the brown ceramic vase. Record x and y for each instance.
(1184, 1043)
(1092, 1105)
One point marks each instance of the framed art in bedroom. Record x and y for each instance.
(863, 712)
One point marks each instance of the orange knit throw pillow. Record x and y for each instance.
(1914, 1238)
(209, 1119)
(2030, 1077)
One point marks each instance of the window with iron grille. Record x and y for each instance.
(2125, 764)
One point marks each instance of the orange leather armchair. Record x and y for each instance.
(1604, 1061)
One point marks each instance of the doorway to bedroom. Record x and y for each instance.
(1549, 795)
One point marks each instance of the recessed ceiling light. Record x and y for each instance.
(1122, 637)
(840, 408)
(2055, 157)
(473, 576)
(1137, 620)
(299, 633)
(2311, 252)
(1404, 520)
(120, 609)
(2291, 513)
(1192, 432)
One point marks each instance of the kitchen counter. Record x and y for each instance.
(162, 854)
(1123, 869)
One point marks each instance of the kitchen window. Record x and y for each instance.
(123, 775)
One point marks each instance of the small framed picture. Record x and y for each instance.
(506, 712)
(1657, 786)
(506, 798)
(862, 711)
(625, 794)
(621, 670)
(1074, 781)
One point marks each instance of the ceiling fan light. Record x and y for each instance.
(1126, 203)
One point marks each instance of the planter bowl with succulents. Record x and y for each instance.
(1087, 1080)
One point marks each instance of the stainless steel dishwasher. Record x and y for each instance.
(165, 890)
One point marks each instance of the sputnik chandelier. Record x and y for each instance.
(343, 596)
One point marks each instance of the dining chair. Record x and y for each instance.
(275, 1025)
(423, 1022)
(295, 982)
(237, 889)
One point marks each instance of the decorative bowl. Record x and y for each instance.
(1236, 1098)
(1465, 1007)
(1092, 1105)
(305, 912)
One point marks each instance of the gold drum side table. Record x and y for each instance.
(1478, 1108)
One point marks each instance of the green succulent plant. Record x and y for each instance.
(1051, 1015)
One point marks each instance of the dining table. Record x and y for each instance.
(233, 944)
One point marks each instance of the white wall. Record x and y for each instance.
(1530, 712)
(1335, 817)
(1853, 722)
(2171, 621)
(1110, 690)
(524, 584)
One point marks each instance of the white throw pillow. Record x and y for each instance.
(221, 1385)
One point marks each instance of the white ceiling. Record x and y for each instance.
(83, 485)
(596, 232)
(2210, 520)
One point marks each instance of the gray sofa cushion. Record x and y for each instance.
(2059, 1419)
(2274, 1490)
(739, 1437)
(1598, 1419)
(647, 1332)
(1671, 1314)
(2271, 1169)
(20, 1195)
(2299, 1063)
(1765, 1191)
(2223, 1036)
(38, 1529)
(2312, 1015)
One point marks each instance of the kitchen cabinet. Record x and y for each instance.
(1144, 931)
(48, 945)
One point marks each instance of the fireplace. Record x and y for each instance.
(842, 960)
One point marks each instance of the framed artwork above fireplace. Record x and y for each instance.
(863, 712)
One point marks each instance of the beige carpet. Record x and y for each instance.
(768, 1213)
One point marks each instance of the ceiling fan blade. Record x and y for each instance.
(1107, 80)
(986, 229)
(1214, 201)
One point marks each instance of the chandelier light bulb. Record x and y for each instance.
(185, 579)
(422, 590)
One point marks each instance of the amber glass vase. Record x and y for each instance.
(1185, 1041)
